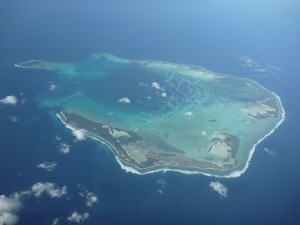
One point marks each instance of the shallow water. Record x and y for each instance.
(194, 32)
(174, 109)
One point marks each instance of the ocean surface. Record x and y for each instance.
(258, 40)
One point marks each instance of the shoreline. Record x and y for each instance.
(190, 66)
(133, 168)
(128, 168)
(233, 174)
(31, 67)
(251, 152)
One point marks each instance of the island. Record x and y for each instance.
(161, 116)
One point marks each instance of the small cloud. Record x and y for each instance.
(270, 152)
(274, 68)
(64, 148)
(48, 166)
(52, 87)
(49, 188)
(23, 101)
(259, 67)
(220, 188)
(9, 207)
(149, 97)
(249, 62)
(9, 100)
(188, 113)
(160, 91)
(56, 221)
(260, 70)
(143, 84)
(203, 133)
(78, 218)
(160, 191)
(105, 126)
(13, 118)
(90, 197)
(79, 134)
(57, 137)
(124, 100)
(164, 94)
(156, 85)
(162, 185)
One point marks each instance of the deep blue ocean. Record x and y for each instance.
(254, 39)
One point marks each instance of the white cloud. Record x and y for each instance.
(79, 134)
(188, 113)
(49, 166)
(156, 85)
(124, 100)
(164, 94)
(162, 185)
(9, 100)
(204, 133)
(249, 62)
(56, 221)
(38, 189)
(257, 66)
(13, 118)
(260, 70)
(143, 84)
(57, 137)
(90, 197)
(220, 188)
(9, 208)
(270, 152)
(49, 188)
(64, 148)
(78, 218)
(274, 68)
(160, 191)
(52, 87)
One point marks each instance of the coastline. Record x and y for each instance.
(133, 169)
(128, 168)
(233, 174)
(31, 67)
(239, 173)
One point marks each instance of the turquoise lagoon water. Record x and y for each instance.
(177, 109)
(214, 34)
